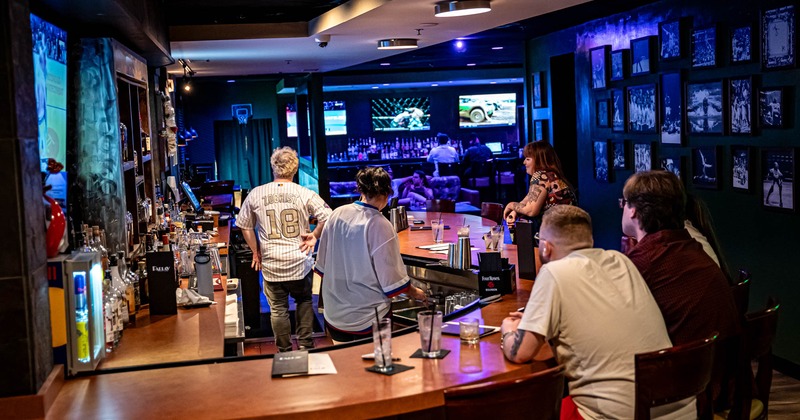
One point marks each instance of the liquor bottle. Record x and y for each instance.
(81, 318)
(144, 286)
(99, 246)
(129, 291)
(119, 289)
(109, 311)
(137, 293)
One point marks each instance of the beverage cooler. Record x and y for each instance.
(76, 310)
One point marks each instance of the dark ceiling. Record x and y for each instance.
(206, 12)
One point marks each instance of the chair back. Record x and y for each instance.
(535, 396)
(492, 211)
(480, 174)
(446, 169)
(672, 374)
(441, 205)
(741, 296)
(760, 330)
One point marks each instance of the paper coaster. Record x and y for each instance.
(396, 368)
(418, 354)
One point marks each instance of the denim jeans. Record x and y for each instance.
(278, 297)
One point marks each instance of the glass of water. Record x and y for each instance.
(430, 333)
(438, 230)
(382, 342)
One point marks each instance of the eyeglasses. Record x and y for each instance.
(622, 202)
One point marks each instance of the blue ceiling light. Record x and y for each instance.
(459, 46)
(455, 8)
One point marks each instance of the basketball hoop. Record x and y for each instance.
(242, 112)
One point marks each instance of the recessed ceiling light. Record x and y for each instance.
(497, 48)
(397, 44)
(471, 65)
(374, 87)
(434, 84)
(231, 81)
(386, 64)
(455, 8)
(386, 84)
(492, 83)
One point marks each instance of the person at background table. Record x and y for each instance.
(443, 153)
(548, 187)
(359, 261)
(597, 311)
(281, 209)
(417, 190)
(476, 153)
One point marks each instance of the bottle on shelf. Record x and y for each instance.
(121, 304)
(130, 291)
(110, 311)
(81, 318)
(144, 286)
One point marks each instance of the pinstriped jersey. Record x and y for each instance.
(281, 210)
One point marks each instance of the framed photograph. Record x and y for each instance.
(643, 156)
(704, 47)
(742, 44)
(740, 168)
(620, 155)
(620, 63)
(602, 113)
(642, 109)
(540, 130)
(704, 107)
(617, 111)
(778, 38)
(641, 52)
(777, 175)
(539, 83)
(672, 163)
(671, 104)
(598, 57)
(705, 167)
(602, 159)
(669, 40)
(771, 107)
(740, 106)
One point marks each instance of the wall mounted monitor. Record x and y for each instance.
(334, 114)
(401, 114)
(191, 198)
(487, 110)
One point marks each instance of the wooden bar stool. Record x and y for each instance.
(493, 212)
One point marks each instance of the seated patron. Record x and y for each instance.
(595, 309)
(416, 190)
(443, 153)
(476, 153)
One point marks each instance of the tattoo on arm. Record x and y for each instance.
(518, 336)
(532, 196)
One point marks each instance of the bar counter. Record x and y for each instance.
(244, 388)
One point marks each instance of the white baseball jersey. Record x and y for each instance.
(281, 211)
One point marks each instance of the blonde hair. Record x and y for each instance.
(569, 224)
(284, 162)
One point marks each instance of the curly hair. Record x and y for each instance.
(284, 162)
(373, 181)
(658, 198)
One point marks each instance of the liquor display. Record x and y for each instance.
(372, 149)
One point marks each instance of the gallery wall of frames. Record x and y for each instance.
(707, 90)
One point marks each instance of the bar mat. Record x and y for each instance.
(418, 354)
(397, 368)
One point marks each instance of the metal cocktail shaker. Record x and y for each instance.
(463, 254)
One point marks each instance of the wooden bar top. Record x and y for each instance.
(244, 388)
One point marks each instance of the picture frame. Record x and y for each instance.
(641, 109)
(641, 55)
(672, 162)
(704, 47)
(741, 168)
(671, 108)
(705, 167)
(669, 40)
(741, 44)
(777, 165)
(772, 107)
(620, 64)
(778, 42)
(599, 62)
(740, 106)
(617, 111)
(705, 106)
(540, 130)
(602, 113)
(643, 154)
(602, 160)
(620, 155)
(539, 89)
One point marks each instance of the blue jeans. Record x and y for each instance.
(278, 296)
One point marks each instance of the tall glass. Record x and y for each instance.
(430, 333)
(496, 236)
(438, 230)
(382, 342)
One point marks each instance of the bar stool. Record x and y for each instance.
(441, 205)
(493, 212)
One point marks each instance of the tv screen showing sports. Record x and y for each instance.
(50, 86)
(333, 112)
(487, 110)
(401, 114)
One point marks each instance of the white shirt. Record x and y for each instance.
(361, 267)
(444, 154)
(598, 311)
(699, 237)
(281, 211)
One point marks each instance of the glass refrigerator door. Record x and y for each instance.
(84, 305)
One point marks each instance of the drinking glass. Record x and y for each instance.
(496, 235)
(382, 342)
(430, 333)
(468, 330)
(438, 231)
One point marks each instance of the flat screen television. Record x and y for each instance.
(487, 110)
(401, 114)
(334, 114)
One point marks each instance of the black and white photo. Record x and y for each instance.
(620, 155)
(705, 168)
(777, 38)
(669, 34)
(671, 104)
(539, 94)
(643, 157)
(598, 60)
(742, 44)
(740, 168)
(770, 108)
(540, 130)
(704, 47)
(704, 108)
(642, 109)
(672, 163)
(777, 176)
(619, 64)
(617, 111)
(601, 158)
(641, 49)
(602, 113)
(740, 97)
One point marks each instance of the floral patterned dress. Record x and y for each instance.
(558, 191)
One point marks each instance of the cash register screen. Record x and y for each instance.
(191, 197)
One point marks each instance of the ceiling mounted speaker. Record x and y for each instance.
(461, 8)
(397, 44)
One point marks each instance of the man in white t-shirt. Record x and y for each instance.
(281, 210)
(443, 153)
(597, 311)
